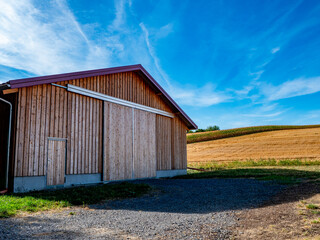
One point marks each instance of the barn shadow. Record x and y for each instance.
(205, 195)
(174, 196)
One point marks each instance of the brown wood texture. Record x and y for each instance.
(164, 142)
(117, 142)
(49, 111)
(40, 115)
(9, 91)
(56, 162)
(179, 144)
(144, 158)
(84, 132)
(128, 86)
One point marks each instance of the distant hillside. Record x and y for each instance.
(272, 145)
(207, 136)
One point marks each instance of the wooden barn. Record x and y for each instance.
(89, 127)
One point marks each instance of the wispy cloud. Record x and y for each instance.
(274, 50)
(120, 15)
(200, 97)
(46, 41)
(185, 95)
(293, 88)
(269, 115)
(154, 56)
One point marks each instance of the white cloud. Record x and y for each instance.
(154, 55)
(46, 41)
(293, 88)
(256, 75)
(274, 50)
(120, 15)
(201, 97)
(164, 31)
(315, 114)
(269, 115)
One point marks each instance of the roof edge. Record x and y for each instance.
(33, 81)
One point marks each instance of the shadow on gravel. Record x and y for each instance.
(199, 196)
(25, 229)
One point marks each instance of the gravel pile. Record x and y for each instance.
(176, 209)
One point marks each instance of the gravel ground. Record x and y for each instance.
(176, 209)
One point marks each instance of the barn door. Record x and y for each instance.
(117, 160)
(56, 161)
(144, 160)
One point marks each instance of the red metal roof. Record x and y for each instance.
(27, 82)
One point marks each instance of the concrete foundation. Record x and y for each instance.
(171, 173)
(82, 179)
(27, 184)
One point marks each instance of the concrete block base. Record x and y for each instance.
(82, 179)
(171, 173)
(27, 184)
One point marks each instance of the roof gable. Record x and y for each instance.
(27, 82)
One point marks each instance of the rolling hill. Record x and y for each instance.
(285, 144)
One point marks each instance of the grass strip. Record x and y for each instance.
(214, 165)
(213, 135)
(281, 174)
(12, 204)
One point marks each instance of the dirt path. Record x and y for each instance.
(286, 216)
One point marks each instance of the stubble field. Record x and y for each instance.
(278, 145)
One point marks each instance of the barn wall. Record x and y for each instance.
(49, 111)
(118, 144)
(164, 142)
(179, 144)
(42, 113)
(144, 144)
(128, 86)
(84, 145)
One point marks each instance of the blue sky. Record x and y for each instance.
(227, 63)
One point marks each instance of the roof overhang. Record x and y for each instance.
(28, 82)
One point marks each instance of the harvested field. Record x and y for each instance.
(282, 144)
(234, 132)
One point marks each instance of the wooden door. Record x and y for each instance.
(164, 142)
(144, 160)
(118, 137)
(56, 161)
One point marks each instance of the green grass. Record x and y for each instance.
(286, 172)
(283, 175)
(207, 136)
(317, 221)
(214, 165)
(312, 206)
(12, 204)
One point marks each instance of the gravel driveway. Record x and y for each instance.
(176, 209)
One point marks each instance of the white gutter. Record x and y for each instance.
(103, 97)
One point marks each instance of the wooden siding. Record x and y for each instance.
(118, 142)
(48, 111)
(41, 114)
(164, 142)
(179, 144)
(84, 135)
(144, 157)
(56, 162)
(128, 86)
